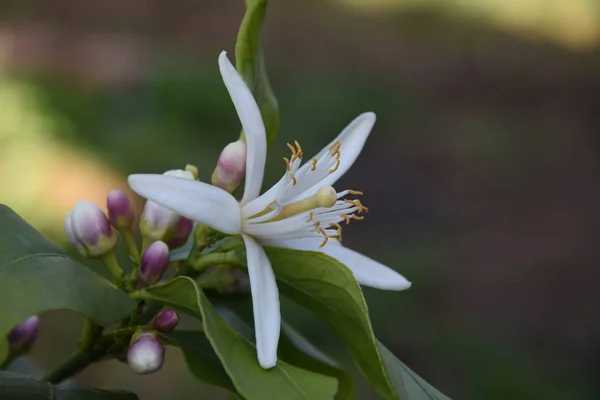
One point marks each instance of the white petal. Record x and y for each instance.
(197, 201)
(265, 303)
(367, 272)
(352, 139)
(252, 123)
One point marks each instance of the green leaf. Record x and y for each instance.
(250, 64)
(36, 276)
(201, 359)
(237, 354)
(328, 287)
(415, 387)
(295, 349)
(24, 387)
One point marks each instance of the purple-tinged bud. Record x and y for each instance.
(231, 166)
(146, 354)
(23, 335)
(154, 263)
(158, 222)
(120, 212)
(182, 232)
(89, 231)
(166, 321)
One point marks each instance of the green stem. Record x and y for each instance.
(90, 334)
(212, 259)
(131, 246)
(9, 359)
(110, 260)
(77, 363)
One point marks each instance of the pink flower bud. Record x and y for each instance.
(146, 354)
(231, 166)
(154, 263)
(120, 212)
(166, 321)
(89, 231)
(23, 335)
(182, 232)
(158, 222)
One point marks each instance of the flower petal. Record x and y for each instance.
(252, 123)
(197, 201)
(367, 272)
(265, 303)
(352, 139)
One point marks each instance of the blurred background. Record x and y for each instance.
(481, 173)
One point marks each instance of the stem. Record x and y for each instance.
(113, 266)
(90, 334)
(212, 259)
(77, 363)
(9, 359)
(131, 246)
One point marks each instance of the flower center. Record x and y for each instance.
(296, 211)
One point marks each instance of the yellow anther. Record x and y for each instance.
(346, 217)
(287, 163)
(358, 204)
(298, 146)
(293, 179)
(314, 164)
(335, 147)
(292, 149)
(356, 217)
(355, 192)
(325, 239)
(336, 166)
(310, 216)
(338, 228)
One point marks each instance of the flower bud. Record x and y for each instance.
(23, 335)
(120, 212)
(231, 166)
(182, 232)
(146, 354)
(89, 231)
(154, 263)
(158, 222)
(166, 321)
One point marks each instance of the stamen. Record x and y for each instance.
(346, 217)
(335, 147)
(322, 232)
(292, 149)
(325, 197)
(310, 216)
(358, 204)
(337, 165)
(293, 179)
(287, 163)
(338, 228)
(356, 217)
(314, 164)
(355, 192)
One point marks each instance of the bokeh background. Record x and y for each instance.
(482, 172)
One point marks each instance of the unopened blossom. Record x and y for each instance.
(158, 222)
(166, 321)
(231, 166)
(182, 232)
(155, 261)
(22, 336)
(301, 211)
(120, 212)
(89, 231)
(146, 354)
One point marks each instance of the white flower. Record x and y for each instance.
(301, 211)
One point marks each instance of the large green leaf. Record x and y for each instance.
(295, 349)
(250, 64)
(201, 359)
(24, 387)
(329, 288)
(237, 354)
(36, 276)
(415, 387)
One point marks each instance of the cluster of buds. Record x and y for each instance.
(146, 354)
